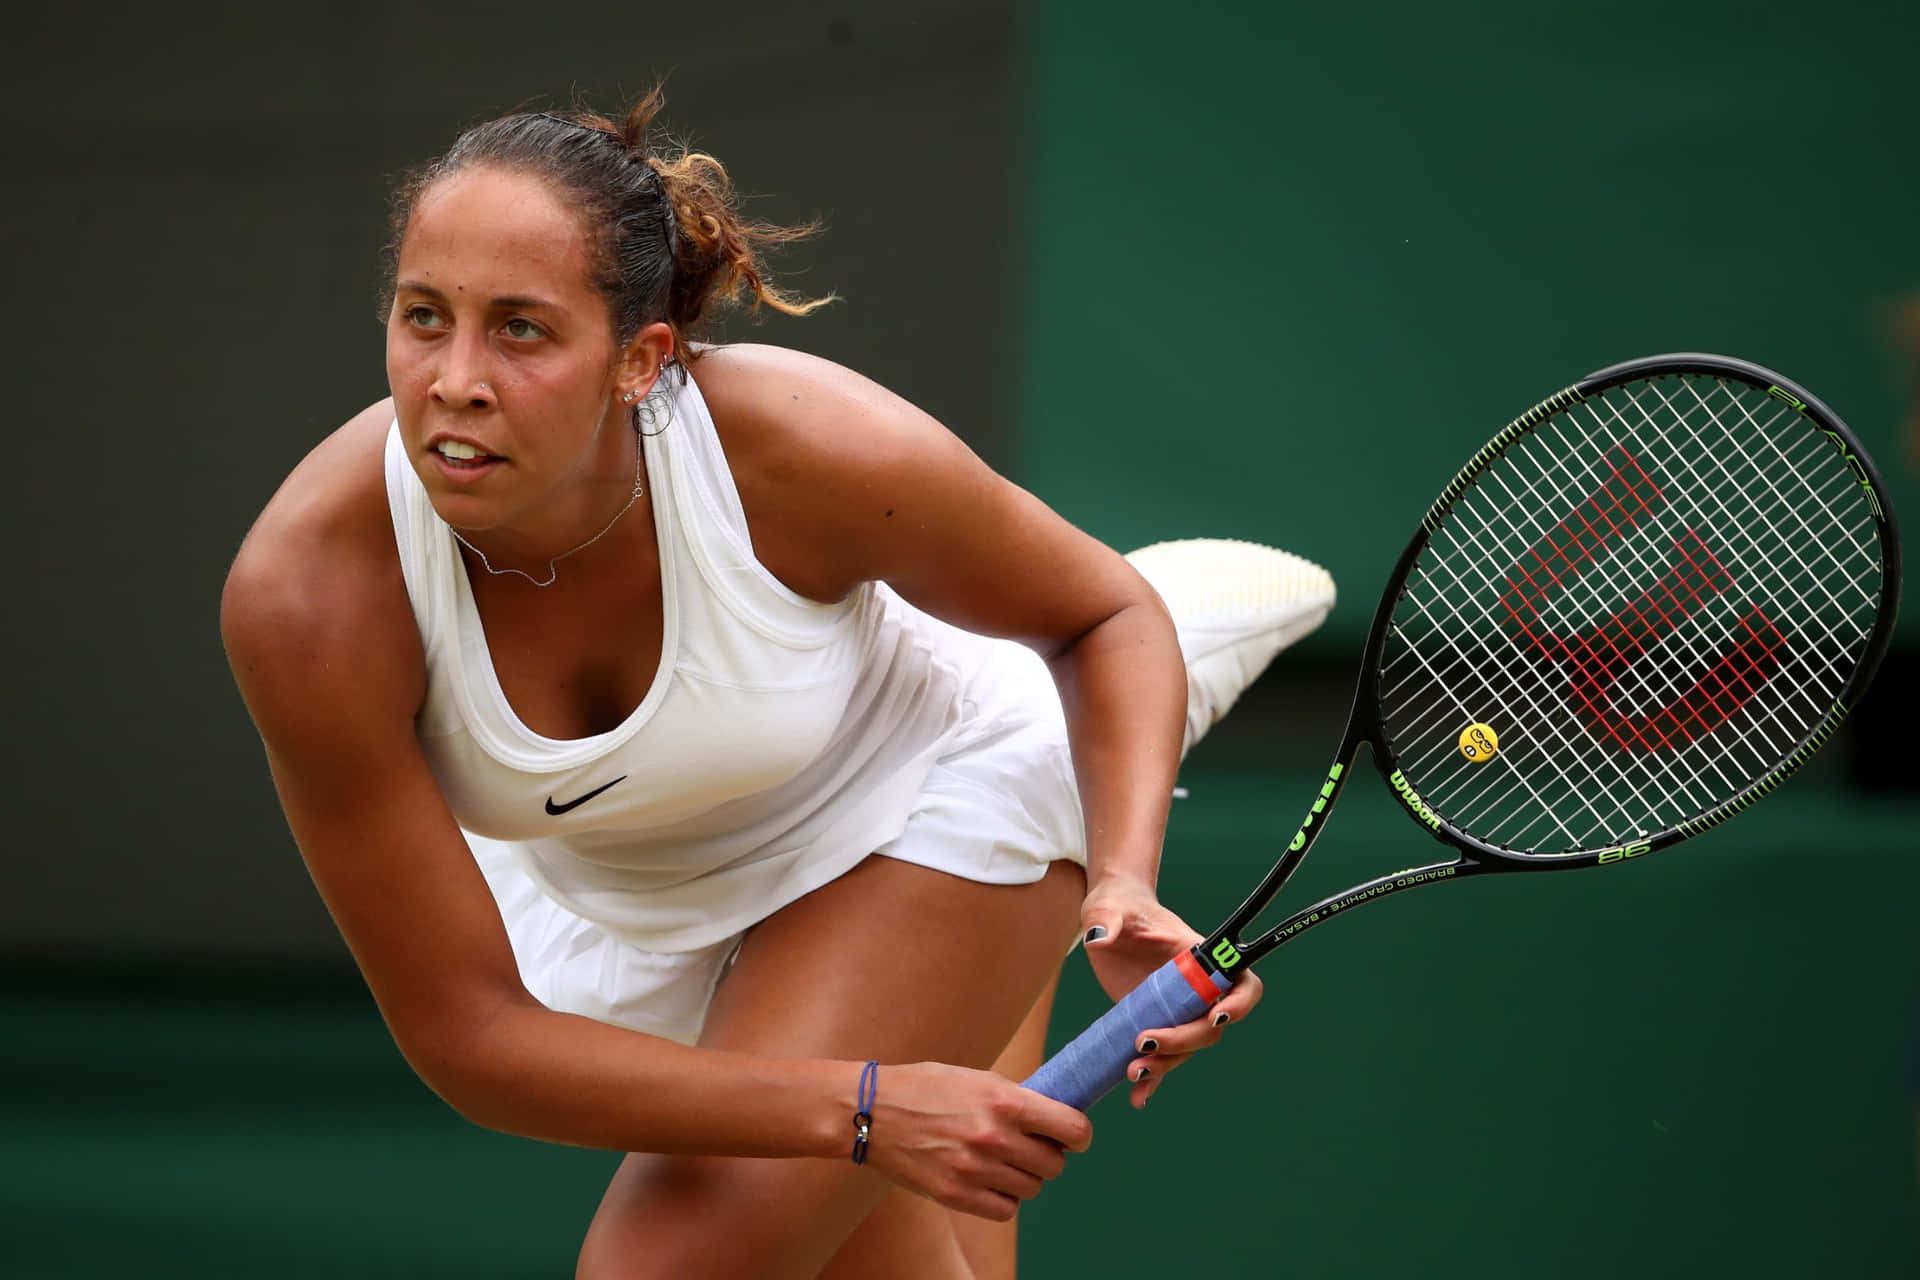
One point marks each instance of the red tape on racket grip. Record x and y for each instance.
(1200, 979)
(1096, 1059)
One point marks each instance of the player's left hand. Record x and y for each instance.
(1128, 935)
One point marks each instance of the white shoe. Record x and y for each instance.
(1235, 605)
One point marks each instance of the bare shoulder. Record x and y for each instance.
(745, 375)
(830, 465)
(845, 482)
(773, 398)
(316, 585)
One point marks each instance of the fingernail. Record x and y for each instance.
(1149, 1045)
(1222, 1018)
(1142, 1074)
(1096, 933)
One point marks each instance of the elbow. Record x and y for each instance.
(449, 1069)
(1138, 620)
(465, 1063)
(449, 1074)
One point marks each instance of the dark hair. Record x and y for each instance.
(666, 240)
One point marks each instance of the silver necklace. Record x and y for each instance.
(552, 572)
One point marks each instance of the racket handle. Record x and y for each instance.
(1097, 1058)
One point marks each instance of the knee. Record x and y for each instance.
(652, 1215)
(680, 1216)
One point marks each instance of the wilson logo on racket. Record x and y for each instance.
(1413, 800)
(1595, 659)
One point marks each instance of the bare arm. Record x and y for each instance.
(852, 484)
(323, 645)
(863, 486)
(327, 656)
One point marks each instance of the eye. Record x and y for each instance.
(422, 317)
(522, 329)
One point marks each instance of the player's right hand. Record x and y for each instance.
(970, 1140)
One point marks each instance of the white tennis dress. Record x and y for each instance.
(782, 741)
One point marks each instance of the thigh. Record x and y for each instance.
(893, 962)
(992, 1247)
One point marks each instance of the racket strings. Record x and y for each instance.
(1862, 552)
(1651, 793)
(1525, 699)
(1598, 658)
(1669, 772)
(1844, 623)
(1567, 748)
(1653, 598)
(1664, 781)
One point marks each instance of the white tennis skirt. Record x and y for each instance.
(999, 811)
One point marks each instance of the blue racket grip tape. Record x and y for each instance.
(1096, 1059)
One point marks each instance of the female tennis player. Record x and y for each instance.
(675, 730)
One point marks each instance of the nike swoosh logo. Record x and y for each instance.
(558, 809)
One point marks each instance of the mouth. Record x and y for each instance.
(462, 457)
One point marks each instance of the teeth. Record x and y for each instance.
(455, 449)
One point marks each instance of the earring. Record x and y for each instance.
(627, 398)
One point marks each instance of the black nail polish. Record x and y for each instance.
(1096, 933)
(1143, 1074)
(1149, 1045)
(1222, 1018)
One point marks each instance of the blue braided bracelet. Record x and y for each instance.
(863, 1118)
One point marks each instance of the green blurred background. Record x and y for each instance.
(1215, 269)
(1285, 271)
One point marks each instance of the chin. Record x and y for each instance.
(464, 509)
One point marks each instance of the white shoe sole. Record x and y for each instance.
(1235, 606)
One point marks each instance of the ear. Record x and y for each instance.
(643, 358)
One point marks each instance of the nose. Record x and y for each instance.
(461, 380)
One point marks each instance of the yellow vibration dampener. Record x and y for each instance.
(1479, 743)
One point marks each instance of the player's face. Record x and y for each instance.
(505, 375)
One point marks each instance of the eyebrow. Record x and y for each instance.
(517, 302)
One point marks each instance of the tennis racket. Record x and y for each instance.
(1641, 607)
